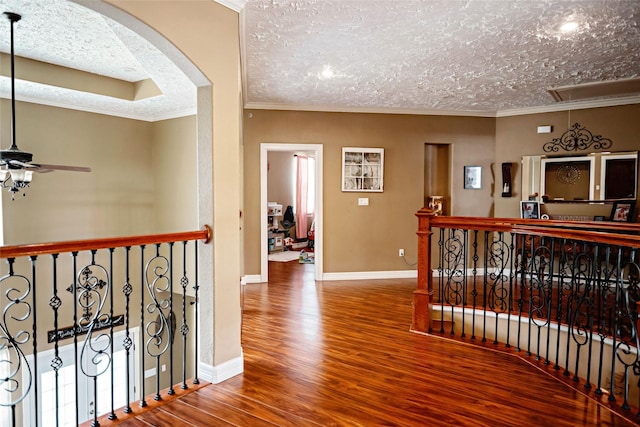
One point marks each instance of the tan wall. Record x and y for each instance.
(175, 170)
(115, 199)
(367, 238)
(207, 33)
(517, 136)
(279, 179)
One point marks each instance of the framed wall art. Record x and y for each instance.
(622, 210)
(472, 177)
(362, 169)
(529, 209)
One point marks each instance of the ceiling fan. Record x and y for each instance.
(16, 168)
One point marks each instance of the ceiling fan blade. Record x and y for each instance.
(22, 164)
(49, 168)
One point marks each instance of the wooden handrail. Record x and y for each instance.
(113, 242)
(624, 234)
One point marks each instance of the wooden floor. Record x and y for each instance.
(340, 353)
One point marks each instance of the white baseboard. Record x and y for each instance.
(218, 373)
(361, 275)
(252, 278)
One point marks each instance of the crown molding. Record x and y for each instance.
(236, 5)
(573, 105)
(562, 106)
(374, 110)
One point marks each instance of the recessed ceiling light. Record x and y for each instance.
(569, 26)
(327, 72)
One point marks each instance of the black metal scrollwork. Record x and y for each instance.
(577, 138)
(158, 285)
(13, 362)
(92, 290)
(454, 267)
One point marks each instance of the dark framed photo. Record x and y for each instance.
(622, 210)
(472, 177)
(529, 209)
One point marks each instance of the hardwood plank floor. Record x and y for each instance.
(340, 354)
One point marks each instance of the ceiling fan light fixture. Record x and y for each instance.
(15, 180)
(21, 176)
(16, 169)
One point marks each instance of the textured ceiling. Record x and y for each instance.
(477, 56)
(64, 33)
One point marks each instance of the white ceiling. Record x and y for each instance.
(475, 57)
(433, 56)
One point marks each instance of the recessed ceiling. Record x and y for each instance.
(484, 57)
(474, 57)
(73, 37)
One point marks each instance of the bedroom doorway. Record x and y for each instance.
(311, 150)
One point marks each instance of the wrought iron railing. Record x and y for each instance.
(561, 294)
(88, 327)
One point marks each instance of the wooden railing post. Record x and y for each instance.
(422, 295)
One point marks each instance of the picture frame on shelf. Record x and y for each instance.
(529, 209)
(622, 211)
(472, 177)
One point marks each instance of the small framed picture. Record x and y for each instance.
(472, 177)
(622, 210)
(529, 209)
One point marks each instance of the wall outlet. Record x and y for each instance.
(400, 252)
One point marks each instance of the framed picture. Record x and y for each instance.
(622, 211)
(362, 169)
(472, 177)
(529, 209)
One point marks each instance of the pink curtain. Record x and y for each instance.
(301, 198)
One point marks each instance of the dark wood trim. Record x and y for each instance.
(115, 242)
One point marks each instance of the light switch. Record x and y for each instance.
(363, 201)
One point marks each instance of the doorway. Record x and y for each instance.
(314, 150)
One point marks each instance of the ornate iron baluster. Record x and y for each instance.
(455, 270)
(56, 363)
(127, 289)
(143, 402)
(512, 286)
(92, 286)
(441, 271)
(474, 291)
(184, 328)
(582, 321)
(628, 340)
(603, 314)
(17, 290)
(564, 294)
(539, 290)
(499, 293)
(112, 414)
(157, 281)
(172, 318)
(196, 287)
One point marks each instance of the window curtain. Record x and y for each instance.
(302, 184)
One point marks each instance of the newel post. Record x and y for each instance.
(422, 295)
